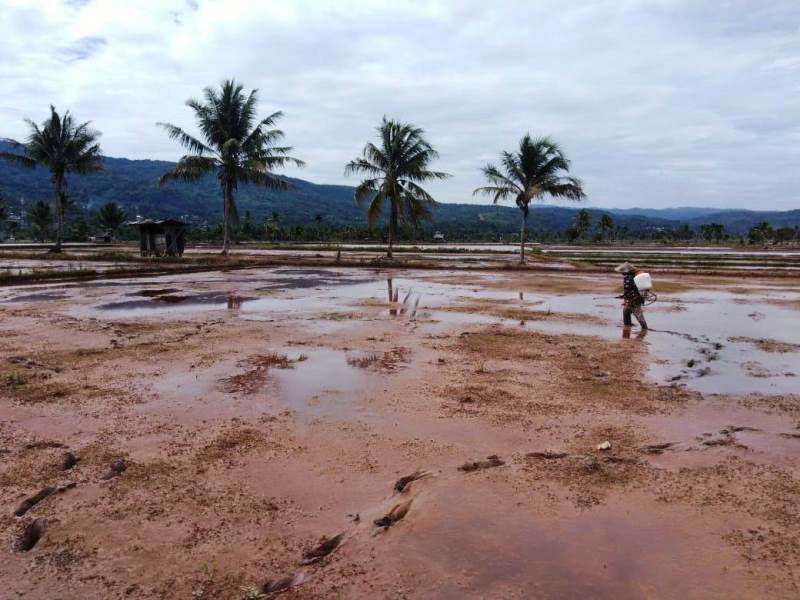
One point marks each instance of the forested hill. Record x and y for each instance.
(132, 184)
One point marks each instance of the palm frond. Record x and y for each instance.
(189, 142)
(189, 168)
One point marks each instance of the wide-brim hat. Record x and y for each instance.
(625, 267)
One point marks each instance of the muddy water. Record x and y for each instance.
(704, 339)
(502, 533)
(486, 548)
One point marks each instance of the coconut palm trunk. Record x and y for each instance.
(522, 230)
(58, 191)
(227, 203)
(392, 224)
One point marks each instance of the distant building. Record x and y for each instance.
(164, 237)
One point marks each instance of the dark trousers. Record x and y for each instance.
(637, 312)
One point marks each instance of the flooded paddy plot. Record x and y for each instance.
(261, 413)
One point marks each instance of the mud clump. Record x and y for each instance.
(253, 379)
(401, 484)
(32, 501)
(656, 448)
(323, 549)
(398, 512)
(490, 463)
(43, 444)
(547, 455)
(31, 535)
(68, 461)
(388, 362)
(116, 469)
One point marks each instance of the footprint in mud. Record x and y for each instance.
(490, 462)
(31, 535)
(32, 501)
(323, 549)
(656, 448)
(116, 469)
(398, 512)
(547, 455)
(401, 484)
(283, 584)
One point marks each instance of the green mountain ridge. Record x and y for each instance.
(133, 185)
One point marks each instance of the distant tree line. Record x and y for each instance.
(38, 221)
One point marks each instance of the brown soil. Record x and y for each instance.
(232, 482)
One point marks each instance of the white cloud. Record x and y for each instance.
(657, 102)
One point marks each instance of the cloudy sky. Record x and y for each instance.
(657, 102)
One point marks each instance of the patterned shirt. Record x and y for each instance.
(630, 292)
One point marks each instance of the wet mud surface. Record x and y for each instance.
(369, 434)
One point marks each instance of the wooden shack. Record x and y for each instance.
(164, 237)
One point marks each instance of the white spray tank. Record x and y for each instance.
(643, 282)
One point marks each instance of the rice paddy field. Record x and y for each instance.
(448, 424)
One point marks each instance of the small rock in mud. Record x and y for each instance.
(490, 462)
(323, 549)
(30, 535)
(68, 461)
(117, 467)
(604, 445)
(547, 455)
(401, 483)
(393, 516)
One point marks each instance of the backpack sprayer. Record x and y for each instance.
(644, 284)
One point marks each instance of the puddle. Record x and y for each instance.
(327, 383)
(702, 338)
(37, 297)
(705, 432)
(320, 382)
(479, 547)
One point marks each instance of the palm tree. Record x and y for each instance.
(606, 224)
(272, 226)
(538, 169)
(41, 218)
(235, 146)
(111, 217)
(583, 222)
(63, 146)
(394, 168)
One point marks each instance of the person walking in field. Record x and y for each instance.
(632, 300)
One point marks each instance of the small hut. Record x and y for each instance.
(164, 237)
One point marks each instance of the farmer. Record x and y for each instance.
(632, 301)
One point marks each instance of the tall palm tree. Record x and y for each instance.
(41, 218)
(111, 217)
(538, 169)
(394, 169)
(63, 146)
(235, 146)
